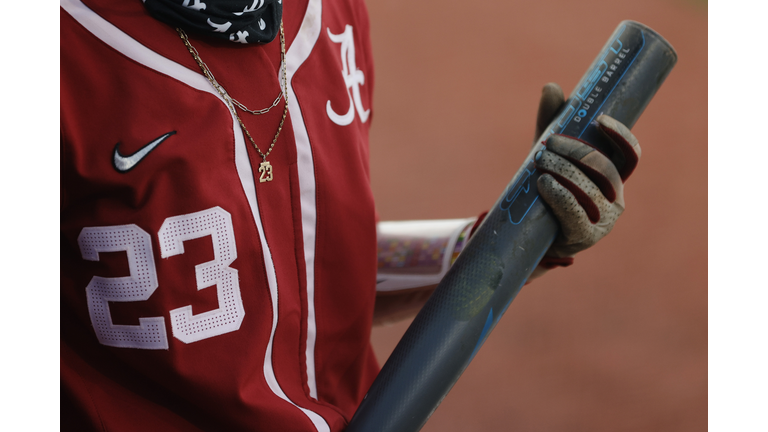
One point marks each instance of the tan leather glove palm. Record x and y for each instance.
(583, 187)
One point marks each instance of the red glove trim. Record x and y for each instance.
(593, 213)
(630, 156)
(584, 142)
(478, 222)
(551, 262)
(596, 176)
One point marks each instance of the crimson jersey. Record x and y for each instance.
(194, 296)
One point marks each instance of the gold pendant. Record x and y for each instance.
(266, 172)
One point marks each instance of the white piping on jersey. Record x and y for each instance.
(134, 50)
(299, 51)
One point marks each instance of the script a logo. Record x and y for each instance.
(353, 78)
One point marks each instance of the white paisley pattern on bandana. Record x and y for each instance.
(239, 21)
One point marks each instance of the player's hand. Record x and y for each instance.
(581, 185)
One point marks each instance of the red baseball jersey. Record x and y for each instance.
(193, 295)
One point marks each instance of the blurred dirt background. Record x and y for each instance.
(617, 342)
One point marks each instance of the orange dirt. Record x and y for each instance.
(618, 342)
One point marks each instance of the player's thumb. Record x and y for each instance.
(551, 101)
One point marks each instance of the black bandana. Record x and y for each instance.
(243, 21)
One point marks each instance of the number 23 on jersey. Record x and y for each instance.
(142, 282)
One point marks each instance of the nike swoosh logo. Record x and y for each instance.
(124, 163)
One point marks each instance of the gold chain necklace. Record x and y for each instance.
(265, 169)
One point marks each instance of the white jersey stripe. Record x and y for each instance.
(296, 55)
(134, 50)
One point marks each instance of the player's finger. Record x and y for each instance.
(575, 223)
(570, 177)
(624, 141)
(591, 162)
(551, 101)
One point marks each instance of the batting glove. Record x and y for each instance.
(583, 187)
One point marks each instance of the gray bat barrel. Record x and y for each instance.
(518, 230)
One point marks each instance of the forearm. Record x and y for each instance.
(413, 256)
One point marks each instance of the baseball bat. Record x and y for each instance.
(466, 305)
